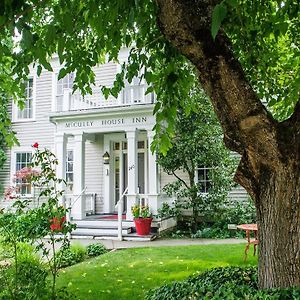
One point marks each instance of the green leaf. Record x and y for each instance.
(218, 15)
(45, 63)
(62, 73)
(233, 3)
(39, 70)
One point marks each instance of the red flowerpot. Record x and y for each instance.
(143, 225)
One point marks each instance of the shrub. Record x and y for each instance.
(211, 232)
(69, 256)
(221, 283)
(95, 249)
(30, 282)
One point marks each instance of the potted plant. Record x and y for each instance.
(142, 218)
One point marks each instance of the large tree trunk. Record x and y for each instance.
(278, 212)
(270, 165)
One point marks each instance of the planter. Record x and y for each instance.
(143, 225)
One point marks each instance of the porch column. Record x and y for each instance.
(132, 171)
(78, 209)
(61, 154)
(107, 177)
(152, 175)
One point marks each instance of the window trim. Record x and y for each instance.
(13, 170)
(15, 108)
(54, 87)
(197, 178)
(69, 184)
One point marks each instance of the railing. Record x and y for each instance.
(120, 204)
(90, 203)
(130, 95)
(143, 200)
(68, 203)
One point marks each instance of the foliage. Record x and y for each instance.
(197, 142)
(32, 276)
(236, 212)
(221, 283)
(24, 225)
(130, 273)
(69, 256)
(95, 249)
(216, 226)
(141, 211)
(263, 35)
(81, 34)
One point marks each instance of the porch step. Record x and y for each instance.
(99, 231)
(126, 237)
(103, 223)
(108, 229)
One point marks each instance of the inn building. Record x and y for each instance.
(102, 145)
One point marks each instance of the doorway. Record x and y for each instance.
(120, 176)
(120, 170)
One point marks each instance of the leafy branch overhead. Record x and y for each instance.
(83, 32)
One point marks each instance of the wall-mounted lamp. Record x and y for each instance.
(106, 158)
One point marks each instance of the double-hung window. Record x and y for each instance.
(204, 175)
(69, 170)
(27, 111)
(63, 84)
(23, 185)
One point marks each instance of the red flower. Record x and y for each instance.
(57, 224)
(35, 145)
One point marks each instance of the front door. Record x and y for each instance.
(120, 174)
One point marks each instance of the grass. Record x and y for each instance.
(130, 273)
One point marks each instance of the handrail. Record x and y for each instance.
(78, 196)
(120, 213)
(69, 204)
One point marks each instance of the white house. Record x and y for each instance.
(103, 146)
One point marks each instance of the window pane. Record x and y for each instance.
(27, 112)
(69, 167)
(141, 145)
(204, 180)
(23, 159)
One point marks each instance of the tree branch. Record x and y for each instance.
(245, 121)
(181, 180)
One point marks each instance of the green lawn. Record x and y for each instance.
(128, 274)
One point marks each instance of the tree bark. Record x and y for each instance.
(270, 165)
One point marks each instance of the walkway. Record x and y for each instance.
(116, 244)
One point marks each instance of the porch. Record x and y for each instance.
(133, 94)
(125, 167)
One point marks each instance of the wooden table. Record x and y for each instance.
(249, 228)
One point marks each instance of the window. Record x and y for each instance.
(27, 111)
(63, 84)
(204, 178)
(23, 160)
(69, 169)
(134, 91)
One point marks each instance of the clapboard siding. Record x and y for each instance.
(5, 173)
(40, 130)
(94, 170)
(165, 178)
(237, 193)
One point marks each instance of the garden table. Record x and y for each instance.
(249, 228)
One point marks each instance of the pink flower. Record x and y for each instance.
(35, 145)
(26, 173)
(10, 193)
